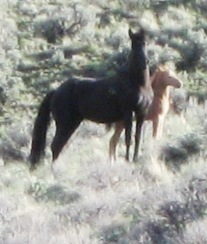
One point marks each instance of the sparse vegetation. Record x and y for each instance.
(83, 198)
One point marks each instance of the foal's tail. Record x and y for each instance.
(40, 129)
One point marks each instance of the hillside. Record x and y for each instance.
(84, 199)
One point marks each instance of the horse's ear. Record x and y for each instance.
(166, 66)
(130, 33)
(161, 67)
(142, 32)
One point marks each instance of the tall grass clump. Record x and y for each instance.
(182, 151)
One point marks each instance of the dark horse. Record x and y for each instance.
(104, 100)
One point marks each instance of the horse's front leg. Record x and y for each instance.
(139, 123)
(128, 132)
(161, 125)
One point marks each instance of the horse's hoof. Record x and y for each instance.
(136, 159)
(32, 168)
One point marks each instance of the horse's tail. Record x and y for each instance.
(40, 129)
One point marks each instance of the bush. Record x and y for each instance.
(178, 154)
(174, 156)
(191, 143)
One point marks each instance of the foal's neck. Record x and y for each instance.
(162, 94)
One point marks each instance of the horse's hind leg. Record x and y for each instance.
(155, 128)
(119, 126)
(63, 133)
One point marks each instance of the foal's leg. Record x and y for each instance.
(139, 123)
(119, 126)
(158, 127)
(155, 128)
(63, 133)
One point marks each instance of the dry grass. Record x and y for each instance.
(85, 199)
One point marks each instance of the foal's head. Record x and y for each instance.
(138, 57)
(164, 77)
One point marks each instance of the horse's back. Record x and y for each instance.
(93, 99)
(99, 100)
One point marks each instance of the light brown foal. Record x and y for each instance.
(161, 81)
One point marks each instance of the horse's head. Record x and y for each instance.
(139, 58)
(164, 77)
(137, 38)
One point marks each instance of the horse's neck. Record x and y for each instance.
(146, 75)
(138, 77)
(154, 77)
(162, 100)
(160, 105)
(162, 92)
